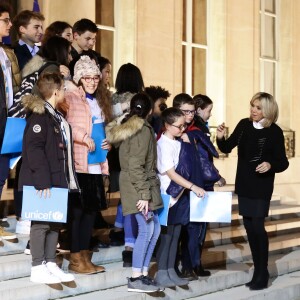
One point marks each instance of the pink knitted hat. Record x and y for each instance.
(85, 66)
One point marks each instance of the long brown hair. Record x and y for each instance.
(103, 97)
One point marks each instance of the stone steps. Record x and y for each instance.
(238, 252)
(221, 235)
(228, 282)
(226, 250)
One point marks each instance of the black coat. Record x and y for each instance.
(45, 159)
(254, 147)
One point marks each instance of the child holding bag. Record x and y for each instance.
(170, 154)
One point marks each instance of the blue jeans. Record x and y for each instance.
(129, 224)
(119, 222)
(148, 234)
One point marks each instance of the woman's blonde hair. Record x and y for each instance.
(269, 108)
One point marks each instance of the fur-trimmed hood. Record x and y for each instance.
(34, 103)
(33, 65)
(122, 98)
(117, 132)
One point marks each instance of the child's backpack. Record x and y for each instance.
(17, 110)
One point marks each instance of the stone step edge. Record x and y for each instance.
(269, 225)
(239, 252)
(220, 280)
(285, 287)
(219, 254)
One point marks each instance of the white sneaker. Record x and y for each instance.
(41, 274)
(59, 273)
(23, 227)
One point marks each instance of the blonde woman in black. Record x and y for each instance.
(261, 154)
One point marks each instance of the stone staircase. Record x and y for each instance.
(226, 253)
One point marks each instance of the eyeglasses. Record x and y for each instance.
(180, 127)
(89, 79)
(188, 112)
(7, 21)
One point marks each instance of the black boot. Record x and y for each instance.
(254, 277)
(262, 277)
(117, 238)
(127, 258)
(190, 275)
(261, 281)
(200, 271)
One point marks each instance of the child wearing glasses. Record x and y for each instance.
(88, 103)
(175, 165)
(193, 233)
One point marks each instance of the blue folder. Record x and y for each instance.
(98, 135)
(164, 211)
(53, 209)
(14, 160)
(13, 135)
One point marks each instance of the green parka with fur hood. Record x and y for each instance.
(138, 156)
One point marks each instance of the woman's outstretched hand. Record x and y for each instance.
(221, 131)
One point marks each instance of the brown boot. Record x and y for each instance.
(87, 255)
(77, 264)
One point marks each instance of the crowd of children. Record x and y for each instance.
(152, 150)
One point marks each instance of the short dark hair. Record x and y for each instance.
(182, 99)
(129, 79)
(84, 25)
(140, 105)
(23, 19)
(48, 83)
(5, 7)
(55, 28)
(202, 101)
(156, 92)
(170, 115)
(56, 49)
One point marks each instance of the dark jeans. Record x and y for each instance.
(192, 237)
(4, 171)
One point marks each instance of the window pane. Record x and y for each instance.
(198, 71)
(199, 22)
(105, 12)
(270, 6)
(184, 21)
(269, 80)
(183, 69)
(269, 37)
(105, 45)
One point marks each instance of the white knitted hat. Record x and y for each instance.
(85, 66)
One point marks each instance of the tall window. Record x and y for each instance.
(194, 46)
(268, 45)
(106, 25)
